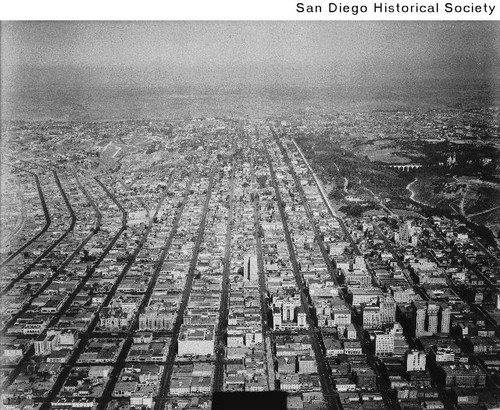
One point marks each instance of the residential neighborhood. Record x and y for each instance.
(155, 263)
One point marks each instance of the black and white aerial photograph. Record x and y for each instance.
(296, 215)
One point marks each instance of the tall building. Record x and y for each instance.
(359, 263)
(445, 319)
(45, 346)
(420, 315)
(156, 320)
(388, 310)
(414, 240)
(351, 332)
(301, 318)
(431, 318)
(276, 318)
(384, 343)
(288, 311)
(415, 361)
(405, 232)
(391, 341)
(400, 343)
(250, 268)
(341, 315)
(371, 317)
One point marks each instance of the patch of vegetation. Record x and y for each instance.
(356, 210)
(333, 163)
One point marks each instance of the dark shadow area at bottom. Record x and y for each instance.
(275, 400)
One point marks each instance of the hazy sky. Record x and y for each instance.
(288, 52)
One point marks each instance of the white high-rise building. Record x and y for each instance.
(384, 343)
(359, 263)
(415, 361)
(276, 318)
(250, 268)
(371, 317)
(432, 318)
(288, 311)
(445, 319)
